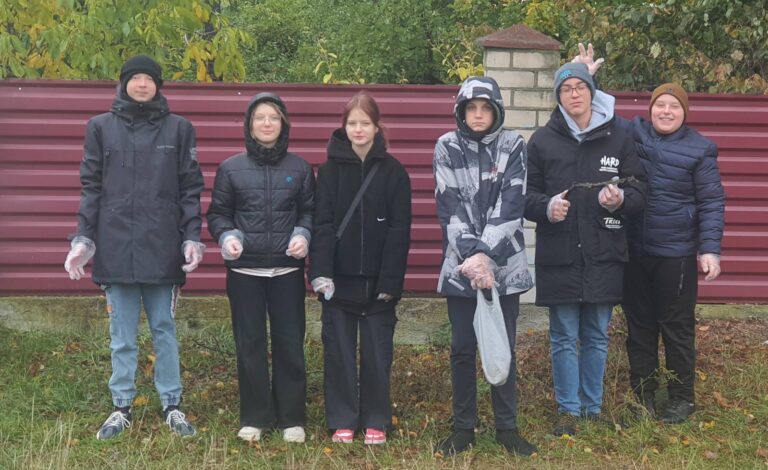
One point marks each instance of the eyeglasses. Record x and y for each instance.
(579, 89)
(261, 119)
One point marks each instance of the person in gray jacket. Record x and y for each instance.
(140, 205)
(480, 171)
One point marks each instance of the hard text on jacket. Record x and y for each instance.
(609, 164)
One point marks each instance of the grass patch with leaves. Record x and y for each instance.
(54, 397)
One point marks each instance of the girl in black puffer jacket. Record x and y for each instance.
(261, 215)
(360, 271)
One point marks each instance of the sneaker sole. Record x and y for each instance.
(375, 442)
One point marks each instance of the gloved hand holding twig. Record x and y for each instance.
(297, 247)
(611, 197)
(325, 286)
(81, 251)
(478, 268)
(557, 208)
(193, 255)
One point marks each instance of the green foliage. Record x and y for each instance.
(91, 39)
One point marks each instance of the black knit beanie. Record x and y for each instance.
(140, 64)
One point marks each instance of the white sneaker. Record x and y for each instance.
(294, 434)
(249, 433)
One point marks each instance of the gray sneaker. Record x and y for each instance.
(178, 422)
(116, 423)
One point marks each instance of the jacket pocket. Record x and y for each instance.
(554, 244)
(611, 238)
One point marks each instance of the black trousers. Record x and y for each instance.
(251, 299)
(660, 299)
(347, 404)
(461, 312)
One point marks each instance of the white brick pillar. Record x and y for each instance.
(523, 62)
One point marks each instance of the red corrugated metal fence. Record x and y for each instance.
(41, 133)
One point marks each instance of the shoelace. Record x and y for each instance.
(175, 417)
(117, 418)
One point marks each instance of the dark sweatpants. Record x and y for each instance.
(660, 298)
(461, 312)
(251, 298)
(348, 406)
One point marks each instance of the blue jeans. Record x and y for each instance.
(578, 335)
(124, 306)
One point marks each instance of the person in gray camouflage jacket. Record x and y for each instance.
(480, 174)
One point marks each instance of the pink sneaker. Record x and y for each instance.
(375, 437)
(344, 436)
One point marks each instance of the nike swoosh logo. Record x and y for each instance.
(382, 219)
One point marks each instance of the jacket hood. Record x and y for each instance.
(131, 110)
(260, 153)
(340, 147)
(602, 113)
(485, 88)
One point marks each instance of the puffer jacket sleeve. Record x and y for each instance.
(451, 209)
(635, 193)
(502, 233)
(221, 212)
(398, 237)
(90, 178)
(305, 204)
(322, 250)
(536, 199)
(710, 202)
(190, 184)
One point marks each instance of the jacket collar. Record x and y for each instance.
(340, 148)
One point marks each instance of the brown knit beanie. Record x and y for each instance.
(671, 89)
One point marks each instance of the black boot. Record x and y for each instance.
(511, 440)
(458, 442)
(677, 411)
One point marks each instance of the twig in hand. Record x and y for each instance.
(615, 180)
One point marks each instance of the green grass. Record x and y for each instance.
(53, 397)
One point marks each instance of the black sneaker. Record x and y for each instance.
(458, 442)
(117, 422)
(677, 411)
(177, 421)
(511, 440)
(566, 424)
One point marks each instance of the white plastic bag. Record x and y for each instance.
(492, 339)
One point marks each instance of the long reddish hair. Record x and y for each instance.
(364, 101)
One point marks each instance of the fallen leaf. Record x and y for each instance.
(395, 421)
(701, 375)
(762, 452)
(74, 442)
(673, 440)
(685, 441)
(704, 328)
(327, 450)
(709, 455)
(151, 358)
(141, 400)
(721, 401)
(588, 450)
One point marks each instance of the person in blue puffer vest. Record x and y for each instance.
(683, 220)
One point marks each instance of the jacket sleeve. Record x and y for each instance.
(90, 178)
(190, 184)
(221, 212)
(536, 199)
(710, 202)
(451, 207)
(322, 250)
(634, 193)
(305, 204)
(398, 237)
(502, 233)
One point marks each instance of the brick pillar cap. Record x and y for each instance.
(519, 36)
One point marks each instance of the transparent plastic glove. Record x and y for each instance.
(231, 248)
(193, 255)
(324, 285)
(297, 247)
(587, 57)
(478, 268)
(611, 197)
(558, 206)
(384, 296)
(81, 251)
(710, 265)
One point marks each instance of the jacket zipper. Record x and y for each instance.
(268, 227)
(362, 220)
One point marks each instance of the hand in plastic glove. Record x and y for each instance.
(324, 285)
(557, 209)
(81, 250)
(297, 247)
(193, 255)
(587, 57)
(384, 296)
(710, 264)
(611, 197)
(478, 269)
(231, 248)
